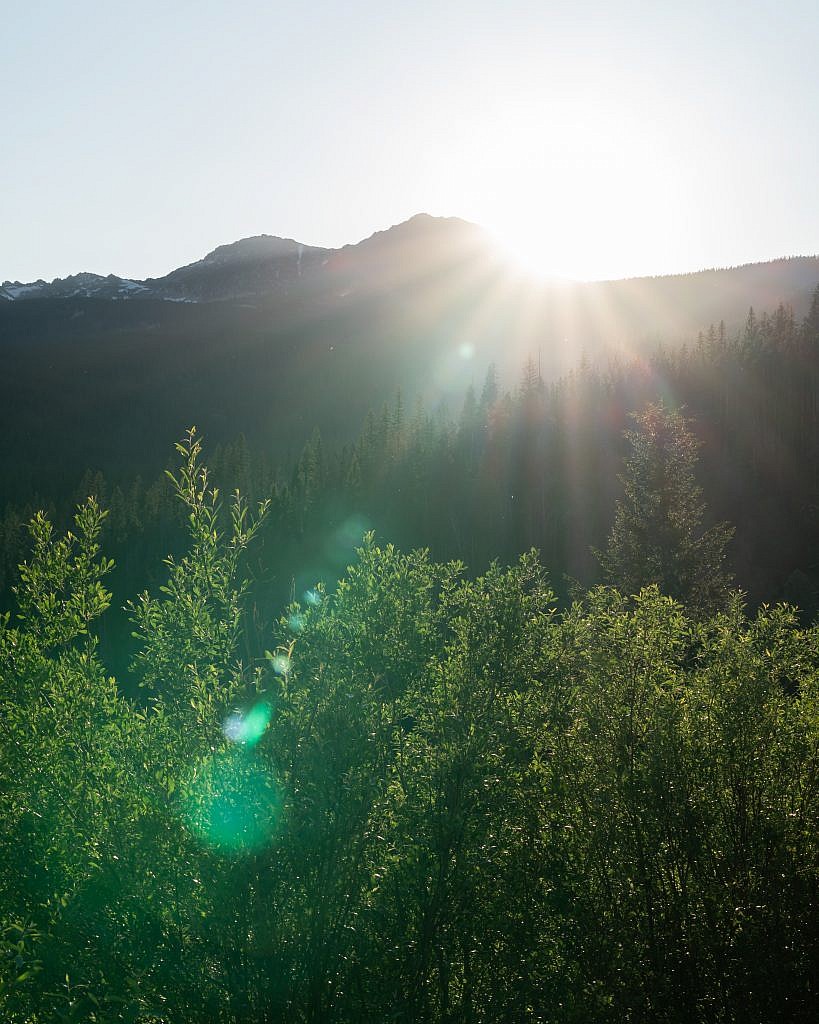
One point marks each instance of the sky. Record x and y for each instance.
(593, 138)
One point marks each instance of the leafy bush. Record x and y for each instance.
(435, 798)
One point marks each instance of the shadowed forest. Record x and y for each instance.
(502, 711)
(510, 468)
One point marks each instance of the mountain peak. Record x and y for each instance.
(422, 225)
(257, 247)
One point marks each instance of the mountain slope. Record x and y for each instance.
(270, 337)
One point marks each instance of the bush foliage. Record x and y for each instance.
(435, 798)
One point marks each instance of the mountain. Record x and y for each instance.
(265, 265)
(252, 266)
(445, 262)
(443, 272)
(76, 285)
(271, 337)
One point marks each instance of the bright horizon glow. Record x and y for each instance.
(525, 256)
(524, 253)
(598, 139)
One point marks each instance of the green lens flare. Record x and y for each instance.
(340, 545)
(281, 664)
(234, 802)
(248, 727)
(296, 622)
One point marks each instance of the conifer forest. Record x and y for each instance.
(501, 712)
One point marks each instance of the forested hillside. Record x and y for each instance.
(521, 466)
(339, 746)
(273, 344)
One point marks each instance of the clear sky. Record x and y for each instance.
(596, 138)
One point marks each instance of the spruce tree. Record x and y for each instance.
(658, 535)
(491, 391)
(810, 327)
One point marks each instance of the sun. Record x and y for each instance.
(530, 257)
(571, 187)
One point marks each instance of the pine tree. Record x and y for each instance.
(531, 384)
(310, 474)
(658, 536)
(751, 327)
(352, 473)
(490, 392)
(810, 327)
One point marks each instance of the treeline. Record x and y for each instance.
(431, 799)
(533, 466)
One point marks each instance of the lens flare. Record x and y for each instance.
(248, 727)
(466, 350)
(234, 803)
(281, 662)
(340, 545)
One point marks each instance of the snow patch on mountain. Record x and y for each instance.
(261, 265)
(11, 290)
